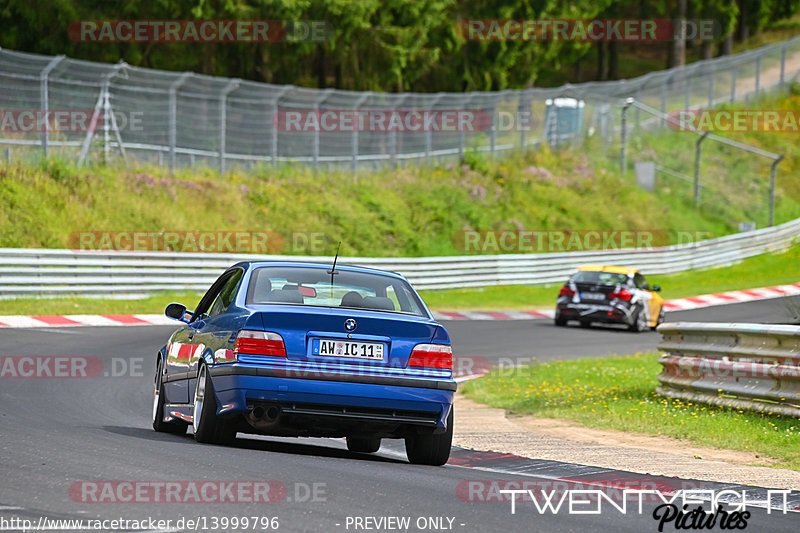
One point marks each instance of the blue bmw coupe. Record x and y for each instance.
(309, 349)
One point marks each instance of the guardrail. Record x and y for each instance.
(745, 366)
(44, 272)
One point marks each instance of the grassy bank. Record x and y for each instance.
(410, 211)
(617, 393)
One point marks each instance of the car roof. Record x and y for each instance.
(312, 264)
(608, 268)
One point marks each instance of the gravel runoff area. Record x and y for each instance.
(484, 428)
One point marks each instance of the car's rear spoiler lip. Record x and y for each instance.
(317, 375)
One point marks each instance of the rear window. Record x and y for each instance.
(599, 278)
(312, 287)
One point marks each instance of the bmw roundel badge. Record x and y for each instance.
(349, 324)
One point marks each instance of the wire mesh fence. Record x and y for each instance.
(185, 119)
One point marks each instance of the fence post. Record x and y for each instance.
(354, 139)
(319, 101)
(223, 121)
(462, 135)
(733, 83)
(275, 105)
(711, 80)
(758, 74)
(697, 151)
(393, 134)
(44, 98)
(783, 66)
(520, 110)
(106, 121)
(687, 79)
(638, 98)
(173, 116)
(664, 96)
(102, 100)
(8, 156)
(624, 135)
(493, 129)
(772, 172)
(429, 133)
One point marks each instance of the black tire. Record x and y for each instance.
(208, 428)
(430, 449)
(560, 322)
(176, 427)
(639, 323)
(363, 444)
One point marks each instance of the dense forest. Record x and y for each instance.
(387, 45)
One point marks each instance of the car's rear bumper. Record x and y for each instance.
(359, 397)
(609, 314)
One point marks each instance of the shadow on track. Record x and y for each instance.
(255, 444)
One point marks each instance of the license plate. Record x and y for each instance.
(593, 296)
(341, 348)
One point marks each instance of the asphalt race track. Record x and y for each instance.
(509, 340)
(57, 432)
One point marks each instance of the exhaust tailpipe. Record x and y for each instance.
(261, 417)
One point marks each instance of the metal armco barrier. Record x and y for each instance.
(746, 366)
(43, 272)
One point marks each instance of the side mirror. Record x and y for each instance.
(177, 312)
(657, 288)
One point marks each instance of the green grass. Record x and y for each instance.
(153, 304)
(760, 271)
(618, 393)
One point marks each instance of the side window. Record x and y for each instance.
(640, 282)
(403, 299)
(226, 295)
(211, 295)
(393, 297)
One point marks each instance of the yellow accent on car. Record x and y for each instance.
(608, 268)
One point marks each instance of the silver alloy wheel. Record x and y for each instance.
(199, 396)
(157, 392)
(155, 403)
(644, 323)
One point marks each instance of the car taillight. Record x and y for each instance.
(431, 356)
(566, 291)
(624, 294)
(259, 343)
